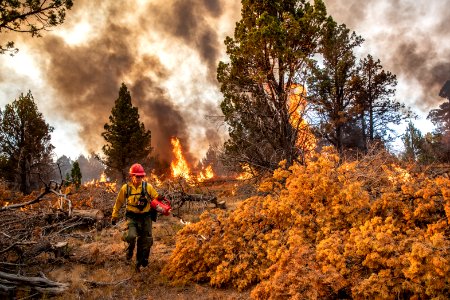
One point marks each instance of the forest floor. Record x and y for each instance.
(96, 267)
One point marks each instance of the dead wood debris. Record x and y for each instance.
(12, 282)
(99, 283)
(44, 224)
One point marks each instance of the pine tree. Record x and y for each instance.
(330, 84)
(25, 145)
(440, 117)
(375, 89)
(413, 142)
(127, 140)
(75, 174)
(32, 17)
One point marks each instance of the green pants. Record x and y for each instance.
(140, 233)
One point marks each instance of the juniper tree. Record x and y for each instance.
(268, 54)
(330, 84)
(25, 145)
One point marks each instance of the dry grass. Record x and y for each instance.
(97, 269)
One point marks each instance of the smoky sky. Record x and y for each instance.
(411, 38)
(187, 20)
(87, 76)
(142, 44)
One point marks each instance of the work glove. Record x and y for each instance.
(113, 221)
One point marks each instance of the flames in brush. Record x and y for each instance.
(180, 167)
(206, 174)
(103, 181)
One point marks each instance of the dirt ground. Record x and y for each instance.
(96, 268)
(106, 274)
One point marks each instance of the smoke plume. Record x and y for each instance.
(410, 38)
(148, 47)
(167, 51)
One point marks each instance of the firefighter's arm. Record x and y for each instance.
(151, 191)
(119, 202)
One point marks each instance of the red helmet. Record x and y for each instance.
(137, 170)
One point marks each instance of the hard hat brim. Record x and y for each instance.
(138, 174)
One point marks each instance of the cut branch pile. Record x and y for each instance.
(37, 224)
(184, 196)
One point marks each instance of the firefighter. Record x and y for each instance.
(138, 215)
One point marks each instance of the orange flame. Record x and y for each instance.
(205, 174)
(247, 173)
(179, 166)
(103, 177)
(297, 104)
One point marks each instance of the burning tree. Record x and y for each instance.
(272, 44)
(127, 139)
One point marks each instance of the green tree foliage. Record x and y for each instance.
(272, 45)
(32, 16)
(127, 140)
(75, 174)
(330, 85)
(413, 141)
(24, 142)
(375, 89)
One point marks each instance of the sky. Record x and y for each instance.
(166, 52)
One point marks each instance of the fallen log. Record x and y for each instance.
(94, 214)
(11, 282)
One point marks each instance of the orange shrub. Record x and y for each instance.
(326, 230)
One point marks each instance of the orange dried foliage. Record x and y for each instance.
(326, 230)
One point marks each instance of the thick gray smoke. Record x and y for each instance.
(410, 37)
(86, 76)
(187, 20)
(167, 51)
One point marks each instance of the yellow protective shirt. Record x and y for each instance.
(133, 198)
